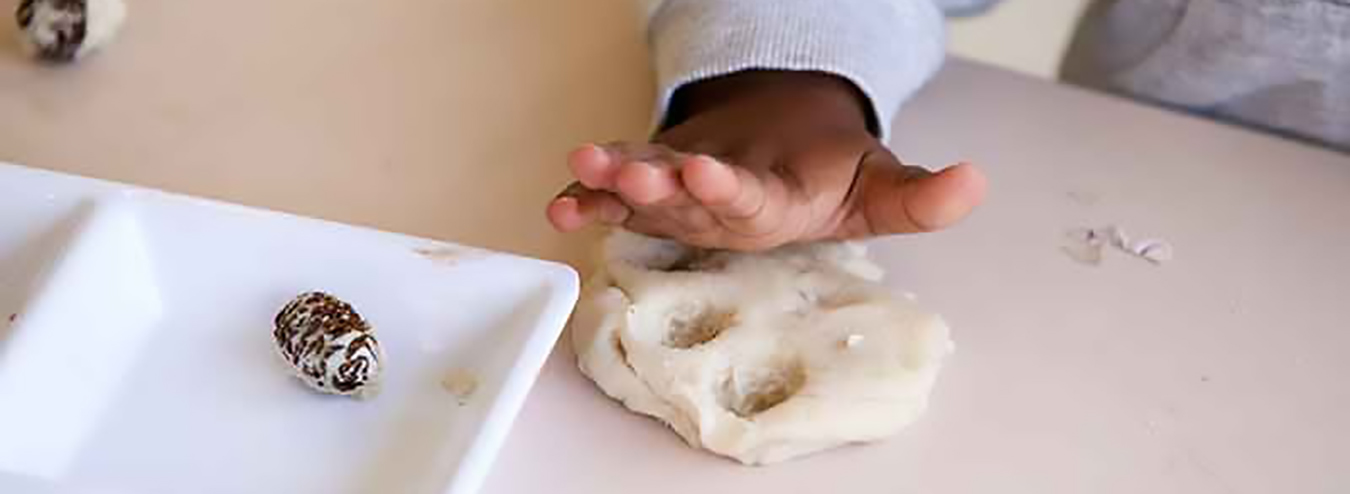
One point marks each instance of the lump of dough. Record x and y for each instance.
(758, 357)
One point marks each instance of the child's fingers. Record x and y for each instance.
(691, 225)
(578, 206)
(565, 214)
(719, 187)
(593, 166)
(737, 197)
(622, 152)
(651, 185)
(643, 173)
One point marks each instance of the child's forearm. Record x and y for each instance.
(887, 48)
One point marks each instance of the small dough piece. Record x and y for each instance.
(67, 30)
(462, 384)
(329, 346)
(758, 357)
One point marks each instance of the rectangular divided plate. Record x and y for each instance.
(143, 360)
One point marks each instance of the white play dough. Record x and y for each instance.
(758, 357)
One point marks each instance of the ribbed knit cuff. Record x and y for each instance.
(888, 48)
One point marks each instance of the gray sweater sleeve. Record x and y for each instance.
(887, 48)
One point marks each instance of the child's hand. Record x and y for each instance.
(761, 159)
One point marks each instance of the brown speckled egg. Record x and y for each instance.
(329, 346)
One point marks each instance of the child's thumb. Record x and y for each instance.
(897, 198)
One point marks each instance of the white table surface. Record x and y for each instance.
(1223, 371)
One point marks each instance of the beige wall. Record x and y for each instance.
(1024, 35)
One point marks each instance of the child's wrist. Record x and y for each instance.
(831, 98)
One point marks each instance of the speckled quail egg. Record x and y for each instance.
(66, 30)
(329, 346)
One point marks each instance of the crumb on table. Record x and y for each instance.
(440, 254)
(461, 383)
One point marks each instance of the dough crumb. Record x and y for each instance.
(1087, 244)
(461, 383)
(853, 340)
(1152, 250)
(449, 256)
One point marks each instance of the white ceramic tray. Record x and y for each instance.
(139, 356)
